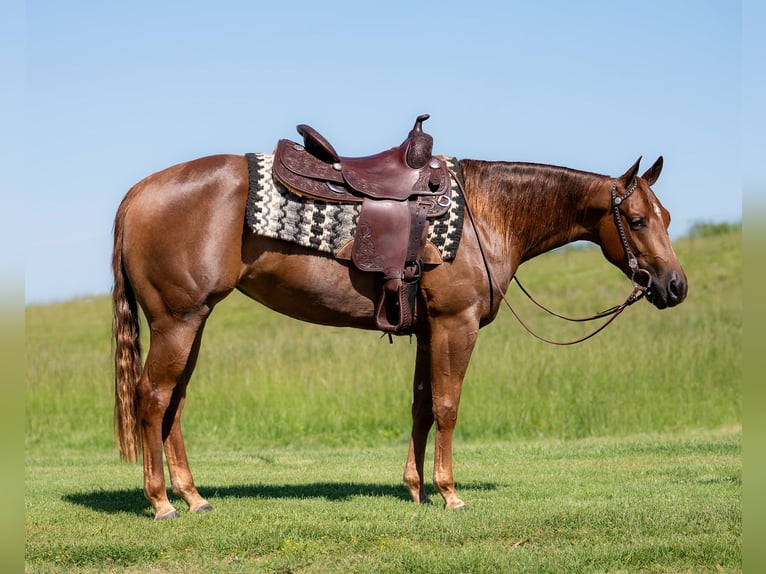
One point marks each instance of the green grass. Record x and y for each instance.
(655, 503)
(622, 453)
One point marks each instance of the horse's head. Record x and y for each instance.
(633, 234)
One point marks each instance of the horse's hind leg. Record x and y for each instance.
(169, 364)
(181, 481)
(422, 421)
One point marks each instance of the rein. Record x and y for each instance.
(640, 278)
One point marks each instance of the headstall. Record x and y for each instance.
(641, 278)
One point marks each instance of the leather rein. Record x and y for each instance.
(640, 278)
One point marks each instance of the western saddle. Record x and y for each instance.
(400, 190)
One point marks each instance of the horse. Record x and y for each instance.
(180, 247)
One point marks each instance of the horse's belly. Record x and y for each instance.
(311, 287)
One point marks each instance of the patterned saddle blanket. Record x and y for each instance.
(276, 212)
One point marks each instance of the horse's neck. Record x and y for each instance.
(535, 208)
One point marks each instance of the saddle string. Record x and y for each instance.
(613, 312)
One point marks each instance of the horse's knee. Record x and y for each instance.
(445, 413)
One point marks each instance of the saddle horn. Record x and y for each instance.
(420, 144)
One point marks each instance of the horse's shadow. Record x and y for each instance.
(132, 501)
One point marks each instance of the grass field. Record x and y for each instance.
(622, 453)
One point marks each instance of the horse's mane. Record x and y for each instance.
(517, 198)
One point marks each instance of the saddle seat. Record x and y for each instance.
(400, 189)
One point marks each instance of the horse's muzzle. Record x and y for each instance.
(669, 292)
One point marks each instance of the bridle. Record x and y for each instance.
(640, 278)
(636, 272)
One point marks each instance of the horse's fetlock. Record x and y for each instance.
(411, 480)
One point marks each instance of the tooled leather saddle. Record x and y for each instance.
(400, 190)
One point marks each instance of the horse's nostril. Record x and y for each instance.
(673, 290)
(676, 290)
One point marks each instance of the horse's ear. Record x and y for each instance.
(629, 175)
(653, 173)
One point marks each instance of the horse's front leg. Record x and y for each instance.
(452, 342)
(422, 421)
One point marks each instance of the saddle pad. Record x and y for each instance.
(274, 211)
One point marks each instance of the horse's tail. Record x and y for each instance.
(127, 350)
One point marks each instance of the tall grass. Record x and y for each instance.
(264, 379)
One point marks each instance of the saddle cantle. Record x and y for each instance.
(400, 190)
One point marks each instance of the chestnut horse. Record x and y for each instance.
(181, 246)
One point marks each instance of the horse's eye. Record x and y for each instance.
(637, 222)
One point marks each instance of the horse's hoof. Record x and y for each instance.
(203, 509)
(426, 501)
(168, 516)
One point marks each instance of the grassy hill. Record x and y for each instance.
(266, 379)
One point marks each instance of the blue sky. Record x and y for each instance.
(112, 92)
